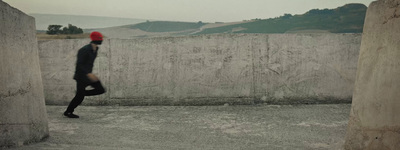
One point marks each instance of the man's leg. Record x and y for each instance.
(77, 100)
(98, 89)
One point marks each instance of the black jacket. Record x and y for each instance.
(84, 62)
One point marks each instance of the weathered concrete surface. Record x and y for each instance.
(374, 119)
(306, 67)
(197, 70)
(23, 117)
(211, 69)
(302, 127)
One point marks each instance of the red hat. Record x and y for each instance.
(96, 36)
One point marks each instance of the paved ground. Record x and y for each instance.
(210, 127)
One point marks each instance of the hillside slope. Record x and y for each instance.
(346, 19)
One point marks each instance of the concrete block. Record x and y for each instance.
(374, 121)
(22, 109)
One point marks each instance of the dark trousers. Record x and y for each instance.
(81, 92)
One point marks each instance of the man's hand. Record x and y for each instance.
(92, 77)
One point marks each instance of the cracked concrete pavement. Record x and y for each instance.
(194, 127)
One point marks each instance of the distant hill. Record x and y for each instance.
(346, 19)
(84, 22)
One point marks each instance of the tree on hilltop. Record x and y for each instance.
(54, 29)
(71, 29)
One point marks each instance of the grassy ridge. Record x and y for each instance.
(346, 19)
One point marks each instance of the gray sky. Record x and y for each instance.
(179, 10)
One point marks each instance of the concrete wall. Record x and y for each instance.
(23, 117)
(210, 69)
(374, 120)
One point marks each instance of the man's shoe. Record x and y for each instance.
(70, 115)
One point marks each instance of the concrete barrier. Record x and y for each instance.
(210, 69)
(22, 107)
(374, 122)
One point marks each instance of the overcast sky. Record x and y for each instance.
(179, 10)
